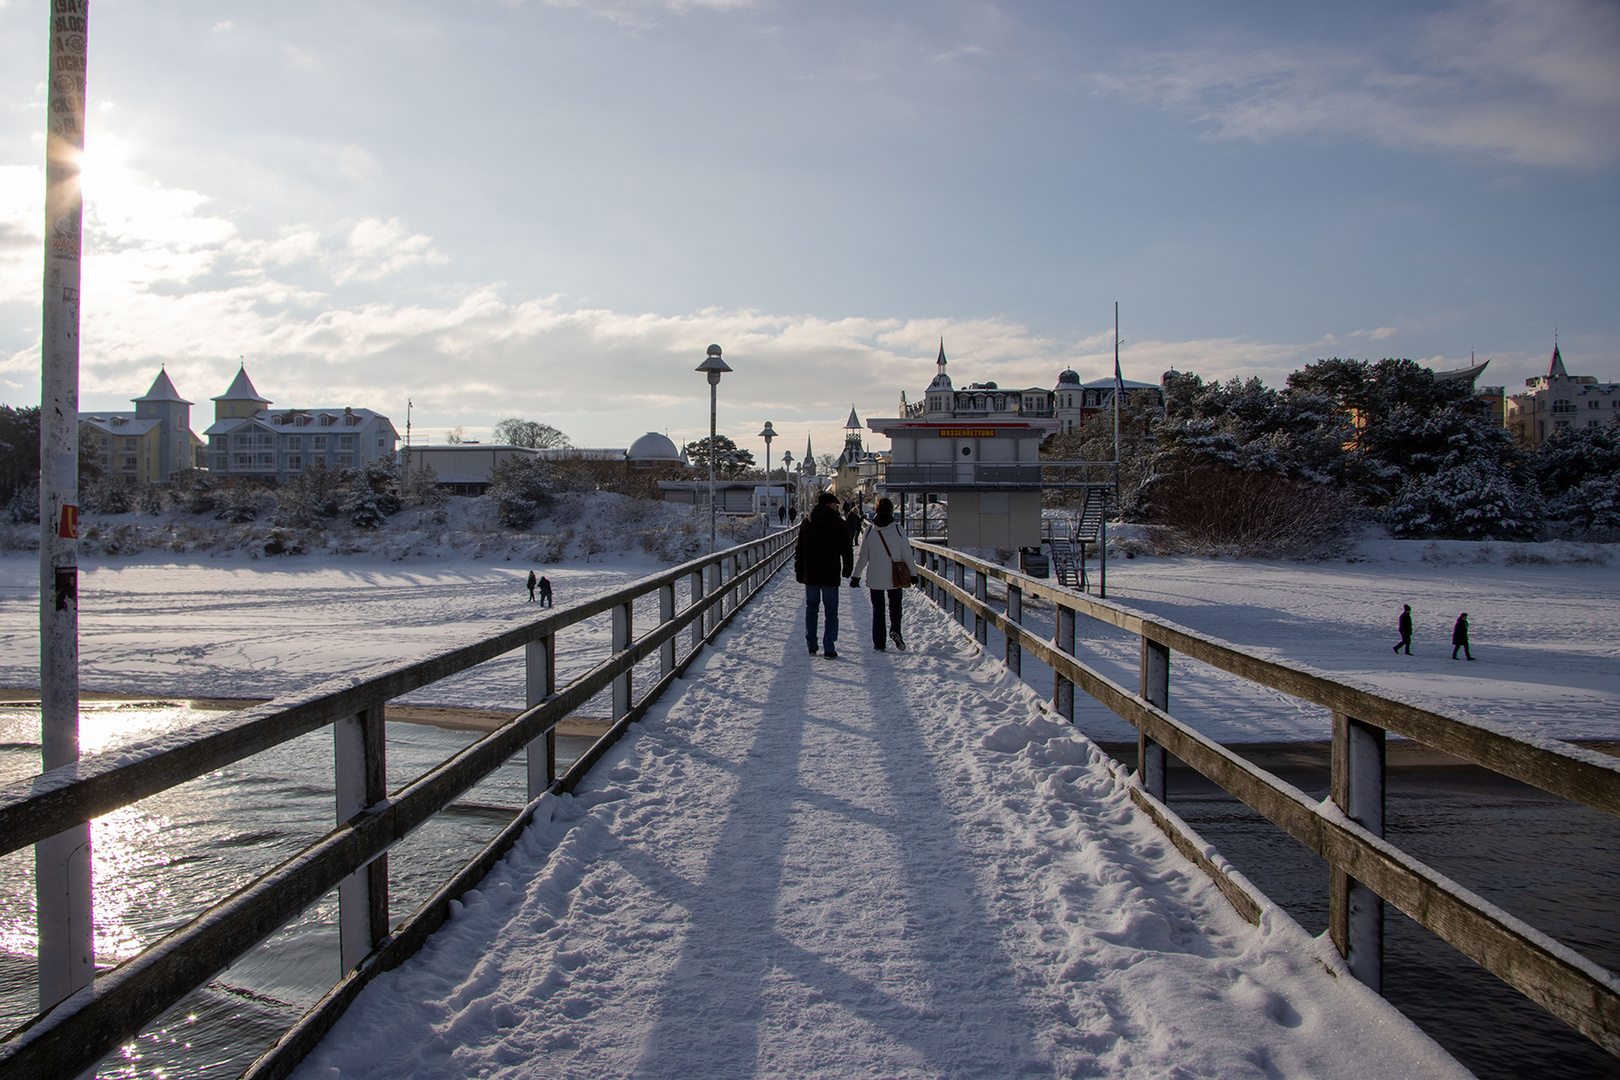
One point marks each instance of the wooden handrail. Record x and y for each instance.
(81, 1030)
(1581, 993)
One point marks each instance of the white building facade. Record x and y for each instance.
(248, 438)
(1558, 400)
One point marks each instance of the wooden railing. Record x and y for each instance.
(1347, 831)
(78, 1032)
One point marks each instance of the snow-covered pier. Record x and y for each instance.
(906, 863)
(892, 864)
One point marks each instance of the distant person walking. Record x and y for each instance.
(822, 558)
(781, 514)
(532, 581)
(853, 522)
(1406, 630)
(1459, 637)
(793, 514)
(545, 592)
(894, 565)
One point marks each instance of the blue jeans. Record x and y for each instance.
(814, 597)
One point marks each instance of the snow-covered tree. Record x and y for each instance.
(1474, 501)
(521, 490)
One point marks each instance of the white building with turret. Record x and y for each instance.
(1558, 400)
(248, 438)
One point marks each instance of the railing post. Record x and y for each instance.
(540, 682)
(695, 581)
(1062, 688)
(666, 615)
(731, 576)
(360, 770)
(1355, 912)
(711, 618)
(1151, 765)
(621, 642)
(1015, 613)
(959, 576)
(981, 593)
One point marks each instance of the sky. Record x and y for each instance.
(500, 208)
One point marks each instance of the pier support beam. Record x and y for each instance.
(1155, 690)
(540, 682)
(360, 746)
(1063, 689)
(1355, 912)
(621, 642)
(1015, 612)
(981, 593)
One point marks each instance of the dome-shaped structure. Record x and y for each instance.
(1070, 376)
(653, 447)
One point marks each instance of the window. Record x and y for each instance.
(130, 463)
(278, 420)
(320, 442)
(129, 444)
(320, 459)
(1563, 405)
(1591, 423)
(379, 442)
(241, 461)
(326, 421)
(265, 461)
(1592, 404)
(295, 442)
(239, 440)
(350, 420)
(345, 442)
(295, 462)
(302, 421)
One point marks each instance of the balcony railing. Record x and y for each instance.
(943, 475)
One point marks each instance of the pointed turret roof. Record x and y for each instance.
(809, 455)
(941, 360)
(241, 389)
(1555, 370)
(162, 390)
(854, 422)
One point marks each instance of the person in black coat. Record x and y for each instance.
(1406, 630)
(822, 559)
(853, 522)
(1459, 637)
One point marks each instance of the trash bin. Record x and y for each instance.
(1034, 562)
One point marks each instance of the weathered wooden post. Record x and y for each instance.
(361, 773)
(62, 887)
(1155, 690)
(1015, 613)
(666, 615)
(1062, 688)
(959, 576)
(711, 618)
(621, 642)
(540, 682)
(981, 593)
(1355, 912)
(695, 583)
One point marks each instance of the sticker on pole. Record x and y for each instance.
(68, 529)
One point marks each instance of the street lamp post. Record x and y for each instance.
(713, 367)
(768, 434)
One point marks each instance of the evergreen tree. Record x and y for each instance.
(521, 488)
(730, 461)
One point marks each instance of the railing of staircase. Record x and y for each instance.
(352, 858)
(1347, 830)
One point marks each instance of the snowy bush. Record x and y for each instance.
(23, 506)
(1465, 502)
(1254, 514)
(521, 491)
(107, 497)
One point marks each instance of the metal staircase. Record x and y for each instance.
(1069, 553)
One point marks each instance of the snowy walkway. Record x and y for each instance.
(886, 865)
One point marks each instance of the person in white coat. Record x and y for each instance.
(884, 546)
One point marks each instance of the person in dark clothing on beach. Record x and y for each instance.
(822, 559)
(545, 592)
(781, 514)
(1406, 630)
(852, 522)
(793, 514)
(531, 586)
(1459, 637)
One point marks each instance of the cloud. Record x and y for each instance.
(167, 280)
(641, 14)
(1530, 81)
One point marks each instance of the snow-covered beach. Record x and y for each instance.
(1545, 628)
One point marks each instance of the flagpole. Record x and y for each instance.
(1119, 390)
